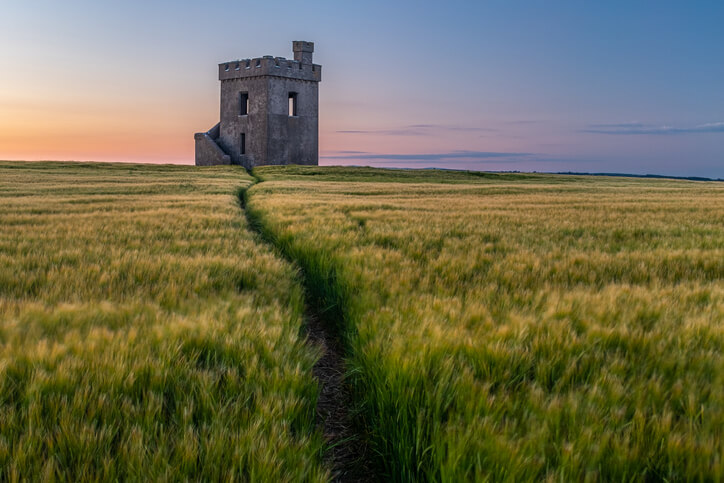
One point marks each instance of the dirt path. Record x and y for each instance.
(347, 454)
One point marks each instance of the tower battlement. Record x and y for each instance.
(270, 66)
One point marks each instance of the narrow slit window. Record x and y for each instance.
(243, 103)
(242, 144)
(293, 104)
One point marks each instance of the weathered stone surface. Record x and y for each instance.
(208, 153)
(270, 134)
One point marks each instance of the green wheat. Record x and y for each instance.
(145, 332)
(510, 327)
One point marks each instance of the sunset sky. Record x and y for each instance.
(614, 86)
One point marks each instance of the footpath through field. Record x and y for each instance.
(346, 451)
(432, 326)
(516, 327)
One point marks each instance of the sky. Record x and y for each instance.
(615, 86)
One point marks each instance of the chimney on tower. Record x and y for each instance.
(303, 51)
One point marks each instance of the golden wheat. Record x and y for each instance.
(145, 332)
(519, 327)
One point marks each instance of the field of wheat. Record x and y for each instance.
(501, 327)
(512, 327)
(145, 332)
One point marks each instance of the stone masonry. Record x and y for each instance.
(269, 112)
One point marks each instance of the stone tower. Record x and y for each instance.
(269, 112)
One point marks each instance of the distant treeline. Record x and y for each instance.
(625, 175)
(575, 173)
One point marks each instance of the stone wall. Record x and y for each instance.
(253, 124)
(208, 153)
(293, 139)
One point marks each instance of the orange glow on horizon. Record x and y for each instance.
(65, 130)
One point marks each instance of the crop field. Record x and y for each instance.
(145, 332)
(494, 327)
(518, 327)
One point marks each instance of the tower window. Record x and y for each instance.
(242, 144)
(292, 103)
(243, 103)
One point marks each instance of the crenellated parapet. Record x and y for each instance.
(270, 66)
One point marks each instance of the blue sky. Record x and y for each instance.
(547, 86)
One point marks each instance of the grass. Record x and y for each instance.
(510, 327)
(145, 332)
(499, 327)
